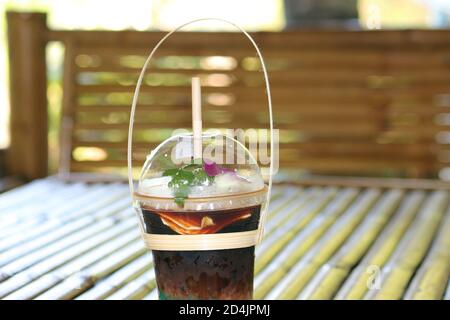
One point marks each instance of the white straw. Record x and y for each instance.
(197, 117)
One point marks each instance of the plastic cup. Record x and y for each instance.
(204, 274)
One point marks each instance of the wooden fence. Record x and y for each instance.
(345, 102)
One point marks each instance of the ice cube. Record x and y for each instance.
(157, 187)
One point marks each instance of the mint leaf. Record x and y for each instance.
(170, 172)
(180, 194)
(184, 178)
(192, 166)
(201, 177)
(166, 162)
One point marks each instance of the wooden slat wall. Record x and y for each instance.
(345, 103)
(356, 103)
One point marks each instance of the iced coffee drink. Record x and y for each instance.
(190, 201)
(209, 274)
(201, 199)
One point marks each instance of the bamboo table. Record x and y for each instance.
(325, 239)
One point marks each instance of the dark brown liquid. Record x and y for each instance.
(212, 274)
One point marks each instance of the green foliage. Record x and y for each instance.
(184, 178)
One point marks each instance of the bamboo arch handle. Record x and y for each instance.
(269, 101)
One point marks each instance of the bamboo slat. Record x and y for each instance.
(68, 212)
(398, 271)
(427, 282)
(273, 271)
(355, 285)
(293, 224)
(73, 286)
(328, 279)
(296, 279)
(136, 289)
(289, 210)
(153, 295)
(447, 294)
(118, 279)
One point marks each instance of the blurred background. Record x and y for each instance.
(154, 15)
(361, 96)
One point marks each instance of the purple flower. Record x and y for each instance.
(213, 169)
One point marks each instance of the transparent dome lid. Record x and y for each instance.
(172, 176)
